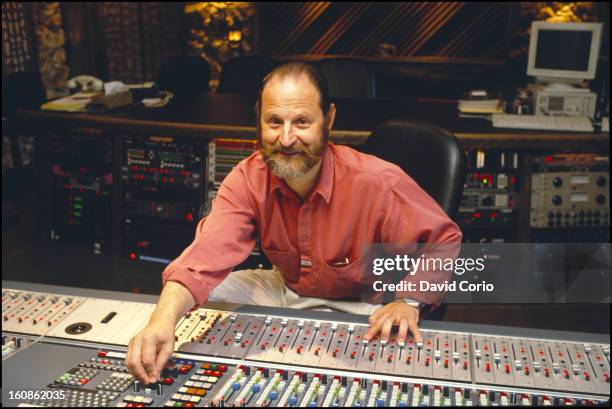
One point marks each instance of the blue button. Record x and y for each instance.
(273, 395)
(256, 388)
(292, 400)
(236, 386)
(380, 402)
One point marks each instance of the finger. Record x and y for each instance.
(414, 328)
(403, 329)
(136, 361)
(163, 356)
(386, 329)
(374, 328)
(128, 356)
(149, 353)
(374, 316)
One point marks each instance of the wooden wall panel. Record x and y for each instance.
(367, 29)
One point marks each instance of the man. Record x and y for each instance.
(314, 206)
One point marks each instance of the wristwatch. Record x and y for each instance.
(412, 302)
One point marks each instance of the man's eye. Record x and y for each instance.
(303, 122)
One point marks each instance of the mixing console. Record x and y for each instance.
(257, 356)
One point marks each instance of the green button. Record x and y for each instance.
(178, 405)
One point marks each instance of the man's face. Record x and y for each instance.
(294, 131)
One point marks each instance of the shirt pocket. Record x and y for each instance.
(286, 262)
(340, 281)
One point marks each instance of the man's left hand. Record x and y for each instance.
(395, 313)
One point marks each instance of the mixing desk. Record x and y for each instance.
(230, 355)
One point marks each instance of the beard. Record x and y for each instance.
(303, 158)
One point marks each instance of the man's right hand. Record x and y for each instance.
(150, 350)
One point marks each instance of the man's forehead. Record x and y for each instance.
(290, 90)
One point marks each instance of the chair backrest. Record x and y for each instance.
(432, 156)
(244, 75)
(186, 75)
(347, 78)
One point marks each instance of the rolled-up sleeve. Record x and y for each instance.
(412, 217)
(223, 240)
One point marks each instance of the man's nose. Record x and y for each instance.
(287, 137)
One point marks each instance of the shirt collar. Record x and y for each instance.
(325, 183)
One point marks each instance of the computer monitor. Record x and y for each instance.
(563, 53)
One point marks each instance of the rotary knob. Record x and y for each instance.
(600, 199)
(600, 181)
(557, 200)
(557, 182)
(487, 201)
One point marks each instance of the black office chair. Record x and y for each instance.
(347, 78)
(185, 76)
(430, 155)
(244, 75)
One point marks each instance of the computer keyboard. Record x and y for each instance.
(544, 123)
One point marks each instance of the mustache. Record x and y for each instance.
(287, 151)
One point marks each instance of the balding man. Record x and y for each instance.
(314, 205)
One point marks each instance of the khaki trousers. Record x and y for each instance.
(267, 288)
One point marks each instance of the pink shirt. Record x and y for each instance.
(359, 199)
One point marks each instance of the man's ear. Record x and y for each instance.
(331, 115)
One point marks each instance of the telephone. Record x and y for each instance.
(85, 83)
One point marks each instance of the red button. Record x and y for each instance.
(184, 369)
(102, 354)
(167, 381)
